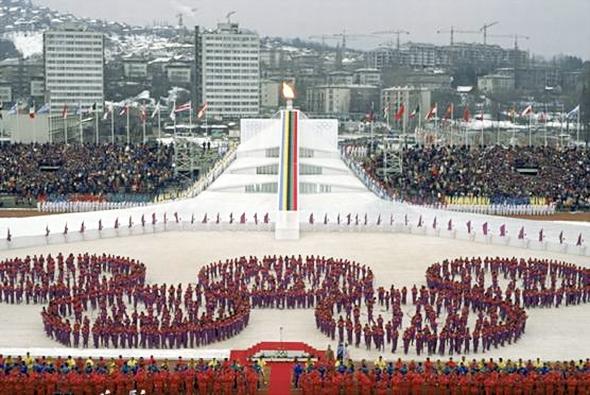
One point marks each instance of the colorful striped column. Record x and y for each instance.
(289, 161)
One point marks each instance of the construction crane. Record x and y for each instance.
(514, 36)
(452, 31)
(484, 29)
(395, 33)
(339, 36)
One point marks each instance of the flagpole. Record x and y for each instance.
(578, 127)
(531, 129)
(190, 119)
(112, 124)
(545, 122)
(481, 142)
(159, 124)
(96, 125)
(419, 115)
(34, 128)
(65, 126)
(81, 128)
(17, 120)
(49, 120)
(128, 133)
(436, 124)
(452, 119)
(144, 119)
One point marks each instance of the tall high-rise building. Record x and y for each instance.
(74, 68)
(228, 71)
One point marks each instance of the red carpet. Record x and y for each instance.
(280, 378)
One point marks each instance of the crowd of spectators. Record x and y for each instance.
(29, 375)
(485, 376)
(432, 175)
(41, 171)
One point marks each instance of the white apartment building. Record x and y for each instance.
(74, 68)
(228, 71)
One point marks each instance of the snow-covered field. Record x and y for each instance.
(400, 259)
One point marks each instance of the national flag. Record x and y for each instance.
(466, 114)
(415, 113)
(450, 110)
(512, 113)
(45, 108)
(109, 110)
(173, 112)
(156, 110)
(432, 113)
(527, 111)
(183, 107)
(574, 112)
(64, 112)
(400, 112)
(32, 112)
(386, 110)
(14, 109)
(143, 114)
(202, 110)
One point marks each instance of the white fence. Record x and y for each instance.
(514, 237)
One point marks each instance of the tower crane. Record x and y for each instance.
(453, 31)
(516, 37)
(484, 29)
(395, 33)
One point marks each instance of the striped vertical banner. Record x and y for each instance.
(289, 161)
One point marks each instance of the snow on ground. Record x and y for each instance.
(28, 43)
(400, 259)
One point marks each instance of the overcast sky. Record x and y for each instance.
(554, 26)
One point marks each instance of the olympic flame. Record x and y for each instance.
(288, 92)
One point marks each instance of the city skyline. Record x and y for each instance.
(553, 28)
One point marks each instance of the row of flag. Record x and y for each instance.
(433, 112)
(143, 111)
